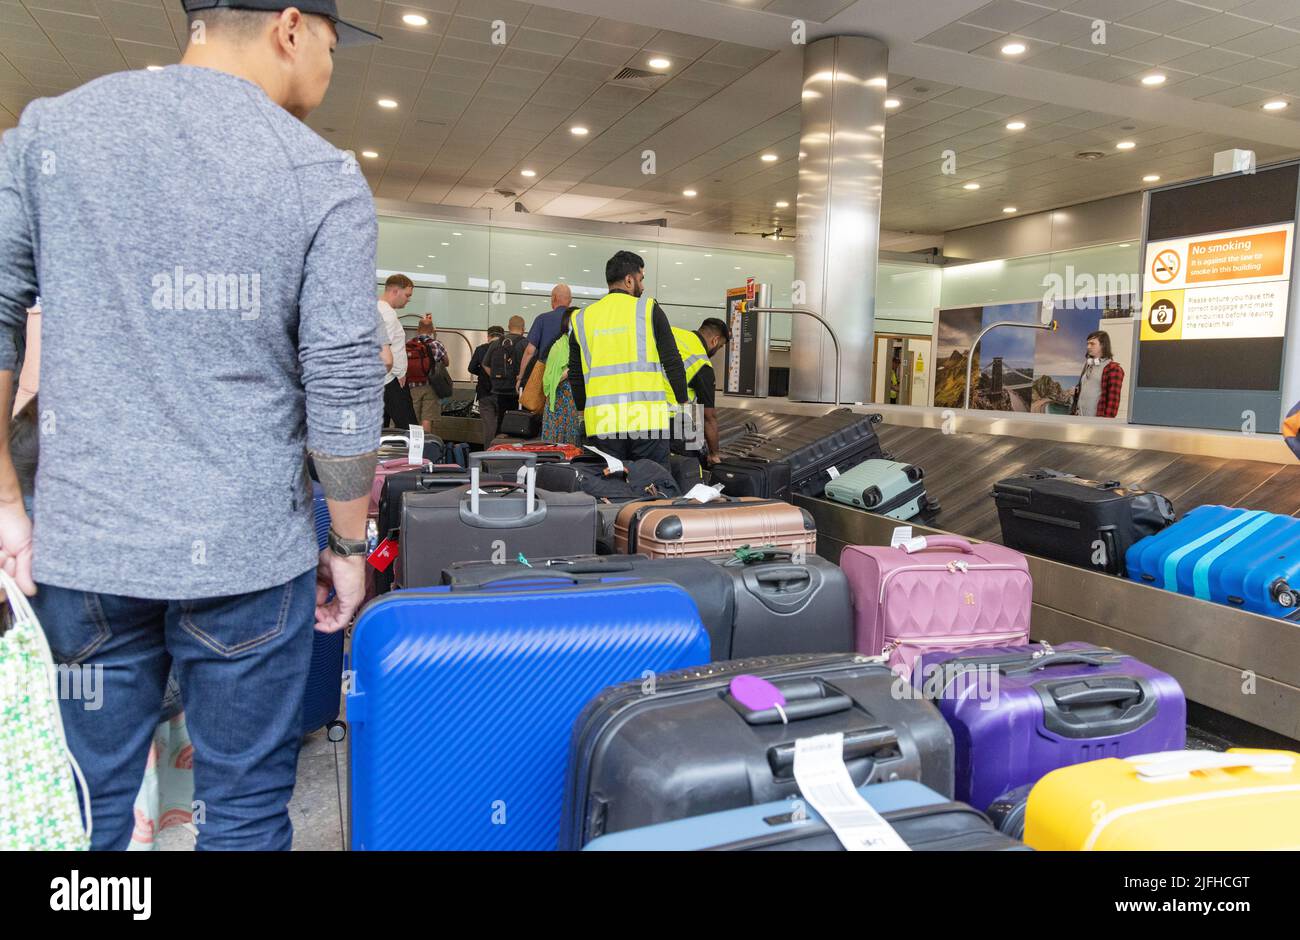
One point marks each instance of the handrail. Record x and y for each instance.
(829, 329)
(970, 359)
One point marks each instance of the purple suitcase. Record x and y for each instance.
(1019, 712)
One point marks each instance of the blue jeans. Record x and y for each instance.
(242, 664)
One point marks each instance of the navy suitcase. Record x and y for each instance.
(320, 704)
(463, 703)
(926, 821)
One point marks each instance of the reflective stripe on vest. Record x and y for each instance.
(622, 396)
(694, 357)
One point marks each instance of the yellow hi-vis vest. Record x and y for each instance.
(626, 389)
(694, 356)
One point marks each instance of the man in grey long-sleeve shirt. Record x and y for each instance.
(206, 268)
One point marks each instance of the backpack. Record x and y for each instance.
(419, 362)
(503, 359)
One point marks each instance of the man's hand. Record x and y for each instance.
(16, 544)
(711, 459)
(347, 578)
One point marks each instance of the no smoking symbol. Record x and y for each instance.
(1165, 266)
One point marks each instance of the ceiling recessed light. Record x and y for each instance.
(154, 68)
(880, 81)
(659, 62)
(419, 265)
(431, 256)
(387, 103)
(1151, 178)
(446, 244)
(414, 19)
(1013, 48)
(678, 262)
(688, 193)
(1274, 105)
(1015, 125)
(971, 186)
(573, 246)
(892, 102)
(369, 154)
(736, 268)
(1155, 78)
(1125, 145)
(586, 270)
(529, 173)
(697, 279)
(1009, 209)
(768, 158)
(552, 254)
(1126, 245)
(528, 264)
(708, 256)
(782, 204)
(455, 233)
(578, 130)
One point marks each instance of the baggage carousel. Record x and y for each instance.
(1241, 671)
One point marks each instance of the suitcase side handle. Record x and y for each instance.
(803, 698)
(858, 744)
(927, 542)
(1173, 765)
(1055, 659)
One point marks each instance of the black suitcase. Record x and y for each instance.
(785, 607)
(523, 424)
(1080, 522)
(490, 522)
(709, 587)
(688, 749)
(389, 519)
(840, 439)
(643, 479)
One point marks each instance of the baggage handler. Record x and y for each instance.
(624, 367)
(697, 349)
(206, 267)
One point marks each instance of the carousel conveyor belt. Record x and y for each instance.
(1240, 671)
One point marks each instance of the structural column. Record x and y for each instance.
(841, 162)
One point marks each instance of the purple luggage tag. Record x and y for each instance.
(758, 695)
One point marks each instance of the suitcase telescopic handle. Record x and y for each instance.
(528, 470)
(858, 744)
(1175, 764)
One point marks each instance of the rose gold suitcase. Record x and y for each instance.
(676, 528)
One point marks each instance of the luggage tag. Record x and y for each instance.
(385, 553)
(902, 533)
(704, 494)
(833, 472)
(825, 783)
(415, 445)
(612, 464)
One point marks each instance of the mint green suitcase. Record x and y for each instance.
(885, 487)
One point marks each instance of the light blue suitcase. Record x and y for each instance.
(463, 702)
(885, 487)
(1239, 557)
(926, 821)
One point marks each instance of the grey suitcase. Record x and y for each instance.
(497, 522)
(688, 748)
(885, 487)
(785, 607)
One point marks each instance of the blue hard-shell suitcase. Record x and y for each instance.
(924, 819)
(1238, 557)
(463, 702)
(320, 704)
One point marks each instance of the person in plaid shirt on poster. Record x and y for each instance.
(1100, 383)
(424, 353)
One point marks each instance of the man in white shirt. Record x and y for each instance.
(398, 409)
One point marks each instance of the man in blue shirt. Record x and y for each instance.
(544, 331)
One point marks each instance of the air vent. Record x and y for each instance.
(506, 193)
(1089, 155)
(638, 78)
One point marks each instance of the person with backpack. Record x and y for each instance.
(424, 357)
(501, 364)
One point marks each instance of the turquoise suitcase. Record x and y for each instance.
(885, 487)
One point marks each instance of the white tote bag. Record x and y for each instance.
(38, 774)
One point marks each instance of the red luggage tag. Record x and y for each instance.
(384, 555)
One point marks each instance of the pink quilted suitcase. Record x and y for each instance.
(936, 593)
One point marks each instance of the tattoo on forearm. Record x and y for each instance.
(345, 478)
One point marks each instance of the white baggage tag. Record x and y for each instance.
(902, 533)
(612, 464)
(703, 494)
(415, 446)
(825, 783)
(833, 472)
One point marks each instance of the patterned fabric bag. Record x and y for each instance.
(38, 774)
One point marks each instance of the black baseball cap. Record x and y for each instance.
(349, 34)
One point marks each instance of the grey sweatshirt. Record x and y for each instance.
(206, 269)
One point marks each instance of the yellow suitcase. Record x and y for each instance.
(1177, 800)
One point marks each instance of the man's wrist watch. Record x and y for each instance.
(347, 548)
